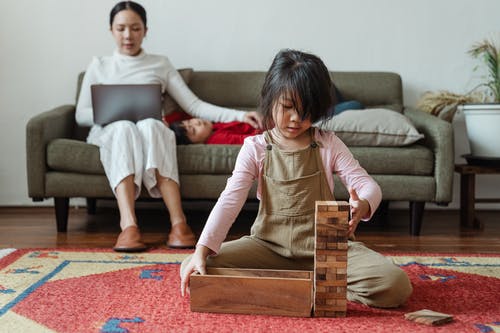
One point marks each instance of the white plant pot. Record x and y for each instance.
(483, 129)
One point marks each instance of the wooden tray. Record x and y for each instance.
(252, 291)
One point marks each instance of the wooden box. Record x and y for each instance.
(319, 293)
(253, 291)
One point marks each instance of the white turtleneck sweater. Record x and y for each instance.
(145, 69)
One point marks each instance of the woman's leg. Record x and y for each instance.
(125, 196)
(120, 149)
(130, 237)
(181, 235)
(161, 178)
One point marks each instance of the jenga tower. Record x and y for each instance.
(330, 259)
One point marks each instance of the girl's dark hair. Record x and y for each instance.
(305, 78)
(134, 6)
(180, 132)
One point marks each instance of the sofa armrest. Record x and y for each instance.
(438, 137)
(40, 130)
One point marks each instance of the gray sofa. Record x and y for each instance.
(61, 165)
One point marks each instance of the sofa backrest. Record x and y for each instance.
(242, 89)
(372, 89)
(230, 89)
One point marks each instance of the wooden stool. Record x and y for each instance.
(468, 193)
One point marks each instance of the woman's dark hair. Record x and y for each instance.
(134, 6)
(180, 132)
(305, 78)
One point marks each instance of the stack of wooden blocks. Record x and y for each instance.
(330, 262)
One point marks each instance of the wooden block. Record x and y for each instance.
(341, 289)
(335, 283)
(331, 246)
(249, 291)
(338, 314)
(330, 297)
(332, 205)
(337, 253)
(327, 264)
(321, 206)
(429, 317)
(342, 246)
(321, 289)
(323, 216)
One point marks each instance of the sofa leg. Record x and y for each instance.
(61, 206)
(379, 218)
(416, 214)
(91, 206)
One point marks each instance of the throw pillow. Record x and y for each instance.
(373, 127)
(169, 104)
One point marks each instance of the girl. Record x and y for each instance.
(294, 164)
(145, 152)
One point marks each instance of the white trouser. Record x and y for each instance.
(136, 149)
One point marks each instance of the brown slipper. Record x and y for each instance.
(181, 237)
(129, 240)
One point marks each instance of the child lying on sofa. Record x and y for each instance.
(195, 130)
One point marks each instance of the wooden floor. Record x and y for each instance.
(35, 227)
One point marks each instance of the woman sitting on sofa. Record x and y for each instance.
(144, 152)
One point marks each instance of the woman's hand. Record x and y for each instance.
(360, 208)
(255, 119)
(196, 265)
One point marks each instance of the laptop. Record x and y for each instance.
(134, 102)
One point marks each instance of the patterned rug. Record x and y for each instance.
(102, 291)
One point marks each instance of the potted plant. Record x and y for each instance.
(481, 106)
(483, 119)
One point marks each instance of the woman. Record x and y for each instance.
(144, 152)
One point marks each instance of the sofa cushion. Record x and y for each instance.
(373, 127)
(74, 156)
(409, 160)
(207, 159)
(80, 157)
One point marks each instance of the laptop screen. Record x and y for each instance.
(133, 102)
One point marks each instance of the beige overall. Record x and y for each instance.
(282, 236)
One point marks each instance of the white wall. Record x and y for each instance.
(45, 44)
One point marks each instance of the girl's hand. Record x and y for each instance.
(359, 208)
(196, 265)
(255, 119)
